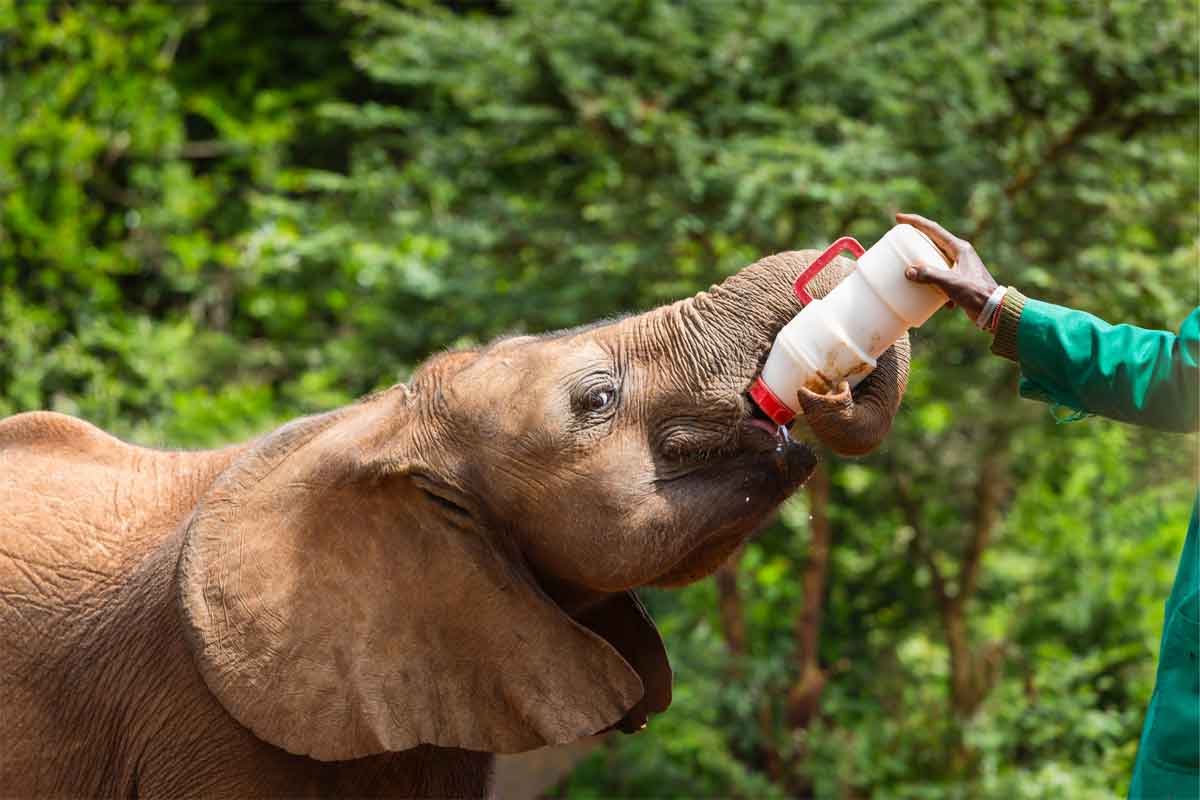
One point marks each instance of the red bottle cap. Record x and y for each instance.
(771, 405)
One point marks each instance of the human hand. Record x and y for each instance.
(969, 284)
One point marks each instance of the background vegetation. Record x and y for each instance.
(217, 216)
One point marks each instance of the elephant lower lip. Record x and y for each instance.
(779, 436)
(763, 425)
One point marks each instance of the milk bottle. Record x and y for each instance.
(839, 336)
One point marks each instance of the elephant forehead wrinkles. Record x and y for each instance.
(653, 337)
(682, 352)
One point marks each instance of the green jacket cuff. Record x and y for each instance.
(1005, 342)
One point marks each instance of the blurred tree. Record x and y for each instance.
(217, 216)
(136, 139)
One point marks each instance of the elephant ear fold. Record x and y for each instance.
(624, 623)
(337, 611)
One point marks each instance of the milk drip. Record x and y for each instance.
(838, 337)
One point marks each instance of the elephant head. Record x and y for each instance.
(450, 562)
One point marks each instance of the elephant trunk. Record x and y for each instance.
(731, 327)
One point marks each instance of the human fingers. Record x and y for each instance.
(942, 278)
(949, 283)
(946, 241)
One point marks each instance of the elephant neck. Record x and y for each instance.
(125, 675)
(572, 598)
(121, 674)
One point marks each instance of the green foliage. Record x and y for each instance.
(214, 217)
(136, 141)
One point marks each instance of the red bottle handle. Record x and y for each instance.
(844, 243)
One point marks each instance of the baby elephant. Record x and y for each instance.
(375, 600)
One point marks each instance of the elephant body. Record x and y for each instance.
(375, 600)
(101, 695)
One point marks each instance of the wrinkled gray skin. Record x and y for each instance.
(374, 600)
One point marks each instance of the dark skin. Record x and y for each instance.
(969, 284)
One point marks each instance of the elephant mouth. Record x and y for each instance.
(777, 433)
(752, 443)
(741, 492)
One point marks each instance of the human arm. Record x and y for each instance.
(1073, 358)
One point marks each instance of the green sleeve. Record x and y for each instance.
(1122, 372)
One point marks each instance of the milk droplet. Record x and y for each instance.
(747, 499)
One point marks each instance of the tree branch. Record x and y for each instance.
(912, 515)
(729, 605)
(1104, 99)
(808, 621)
(804, 696)
(987, 500)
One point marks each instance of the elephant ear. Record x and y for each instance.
(337, 611)
(622, 621)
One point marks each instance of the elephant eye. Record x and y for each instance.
(598, 399)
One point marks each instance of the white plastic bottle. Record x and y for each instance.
(838, 337)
